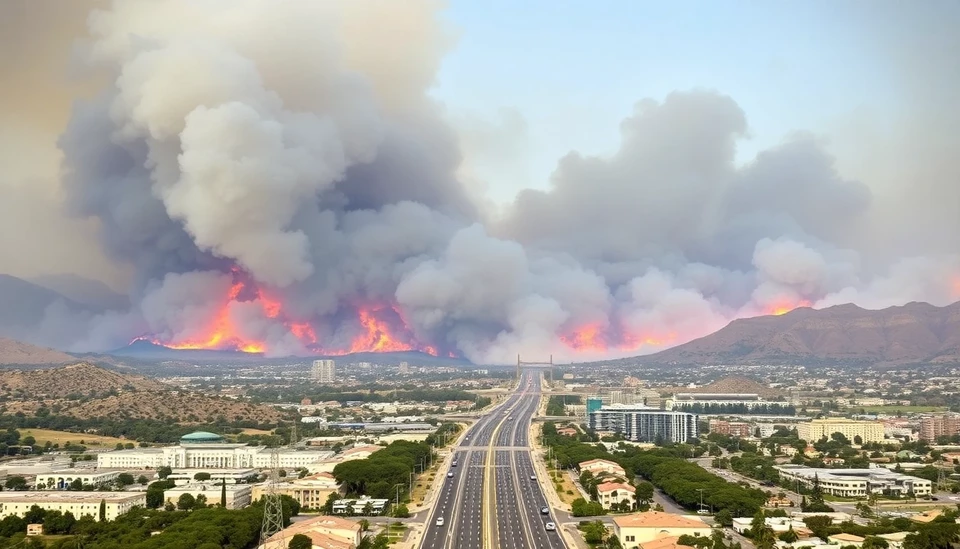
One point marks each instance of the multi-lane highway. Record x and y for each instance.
(491, 496)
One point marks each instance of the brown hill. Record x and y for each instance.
(735, 385)
(17, 353)
(171, 406)
(915, 333)
(77, 379)
(86, 391)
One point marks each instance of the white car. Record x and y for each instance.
(550, 527)
(439, 521)
(450, 474)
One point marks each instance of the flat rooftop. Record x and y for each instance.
(67, 497)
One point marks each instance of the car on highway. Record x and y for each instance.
(533, 477)
(439, 521)
(454, 464)
(450, 474)
(544, 510)
(550, 527)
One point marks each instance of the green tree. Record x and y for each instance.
(125, 479)
(401, 511)
(594, 532)
(186, 502)
(328, 505)
(300, 541)
(789, 536)
(223, 492)
(201, 476)
(873, 542)
(164, 471)
(35, 515)
(12, 524)
(15, 483)
(644, 492)
(103, 510)
(819, 525)
(28, 441)
(142, 480)
(724, 517)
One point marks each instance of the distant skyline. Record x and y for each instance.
(574, 70)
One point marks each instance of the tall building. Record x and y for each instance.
(324, 371)
(644, 424)
(868, 431)
(932, 427)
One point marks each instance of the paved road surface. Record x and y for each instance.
(495, 450)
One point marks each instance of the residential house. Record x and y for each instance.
(612, 493)
(324, 533)
(640, 528)
(600, 466)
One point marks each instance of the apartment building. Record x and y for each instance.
(324, 371)
(612, 493)
(867, 431)
(644, 424)
(932, 427)
(737, 429)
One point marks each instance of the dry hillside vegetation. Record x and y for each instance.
(74, 380)
(86, 391)
(915, 333)
(17, 353)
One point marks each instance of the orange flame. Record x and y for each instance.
(783, 307)
(587, 338)
(376, 334)
(593, 338)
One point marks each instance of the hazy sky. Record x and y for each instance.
(574, 70)
(632, 173)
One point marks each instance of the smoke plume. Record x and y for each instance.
(278, 180)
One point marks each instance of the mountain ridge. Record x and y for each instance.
(916, 332)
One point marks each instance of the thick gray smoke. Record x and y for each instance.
(292, 146)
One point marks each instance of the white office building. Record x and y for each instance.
(856, 483)
(202, 450)
(76, 503)
(62, 479)
(237, 495)
(643, 423)
(324, 371)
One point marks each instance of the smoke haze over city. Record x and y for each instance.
(284, 177)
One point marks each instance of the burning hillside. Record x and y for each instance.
(269, 181)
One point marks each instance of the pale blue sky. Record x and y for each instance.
(575, 69)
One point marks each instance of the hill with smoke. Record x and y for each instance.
(278, 179)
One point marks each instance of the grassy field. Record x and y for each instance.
(255, 432)
(63, 437)
(901, 409)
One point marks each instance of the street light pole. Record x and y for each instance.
(701, 498)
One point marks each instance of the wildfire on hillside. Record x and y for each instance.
(381, 328)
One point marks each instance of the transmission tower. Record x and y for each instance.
(272, 506)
